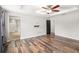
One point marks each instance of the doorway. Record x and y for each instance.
(48, 26)
(14, 28)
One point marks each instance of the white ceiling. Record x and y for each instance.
(31, 9)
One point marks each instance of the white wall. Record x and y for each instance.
(28, 29)
(27, 26)
(27, 23)
(52, 24)
(67, 25)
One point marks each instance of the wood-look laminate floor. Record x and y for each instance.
(14, 36)
(43, 44)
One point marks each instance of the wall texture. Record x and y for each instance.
(28, 29)
(52, 24)
(27, 23)
(67, 25)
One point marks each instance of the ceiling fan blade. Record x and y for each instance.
(44, 7)
(55, 7)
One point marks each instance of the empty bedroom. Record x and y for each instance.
(39, 28)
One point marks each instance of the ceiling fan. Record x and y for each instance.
(50, 9)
